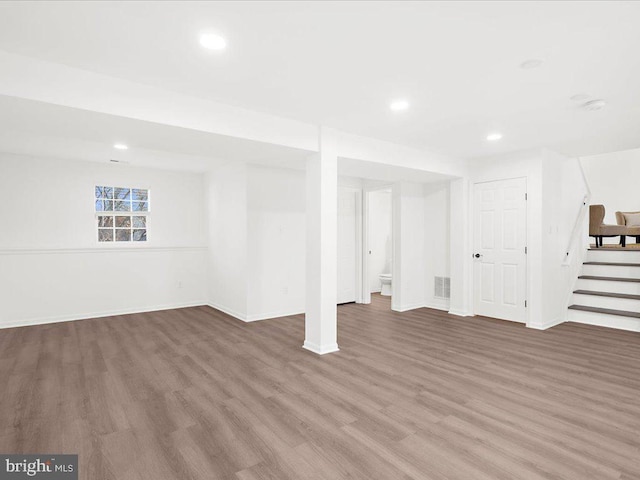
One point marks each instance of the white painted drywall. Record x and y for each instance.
(226, 191)
(437, 240)
(563, 191)
(529, 165)
(275, 242)
(613, 179)
(408, 276)
(51, 265)
(555, 189)
(380, 239)
(460, 246)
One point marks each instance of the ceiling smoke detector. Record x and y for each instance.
(594, 104)
(531, 63)
(579, 97)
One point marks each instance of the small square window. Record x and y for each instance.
(121, 201)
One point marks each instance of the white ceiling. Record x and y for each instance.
(340, 63)
(35, 128)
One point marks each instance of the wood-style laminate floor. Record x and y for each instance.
(194, 394)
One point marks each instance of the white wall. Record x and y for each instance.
(613, 179)
(563, 193)
(256, 241)
(380, 240)
(276, 242)
(227, 239)
(437, 240)
(555, 190)
(51, 265)
(408, 276)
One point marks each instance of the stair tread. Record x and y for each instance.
(613, 279)
(613, 264)
(608, 294)
(608, 311)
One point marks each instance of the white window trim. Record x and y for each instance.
(113, 213)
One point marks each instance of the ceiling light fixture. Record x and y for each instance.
(594, 104)
(492, 137)
(531, 63)
(399, 105)
(120, 146)
(211, 41)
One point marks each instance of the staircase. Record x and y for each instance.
(608, 290)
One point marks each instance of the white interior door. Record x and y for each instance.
(347, 236)
(500, 262)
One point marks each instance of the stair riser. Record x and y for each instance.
(608, 286)
(604, 320)
(611, 271)
(604, 255)
(625, 304)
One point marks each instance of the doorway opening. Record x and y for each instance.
(378, 246)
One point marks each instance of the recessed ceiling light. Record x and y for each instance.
(531, 63)
(492, 137)
(399, 105)
(578, 97)
(211, 41)
(594, 104)
(120, 146)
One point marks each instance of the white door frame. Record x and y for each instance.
(471, 237)
(364, 245)
(359, 196)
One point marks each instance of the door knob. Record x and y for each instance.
(477, 255)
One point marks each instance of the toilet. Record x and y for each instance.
(385, 280)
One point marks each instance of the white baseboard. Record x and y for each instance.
(438, 304)
(546, 325)
(320, 349)
(91, 315)
(254, 317)
(406, 308)
(460, 313)
(228, 311)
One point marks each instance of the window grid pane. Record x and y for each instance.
(122, 201)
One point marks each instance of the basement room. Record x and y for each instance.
(319, 240)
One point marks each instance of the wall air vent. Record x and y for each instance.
(442, 287)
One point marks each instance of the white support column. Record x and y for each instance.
(321, 320)
(460, 250)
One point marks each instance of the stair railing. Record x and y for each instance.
(576, 233)
(575, 251)
(576, 238)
